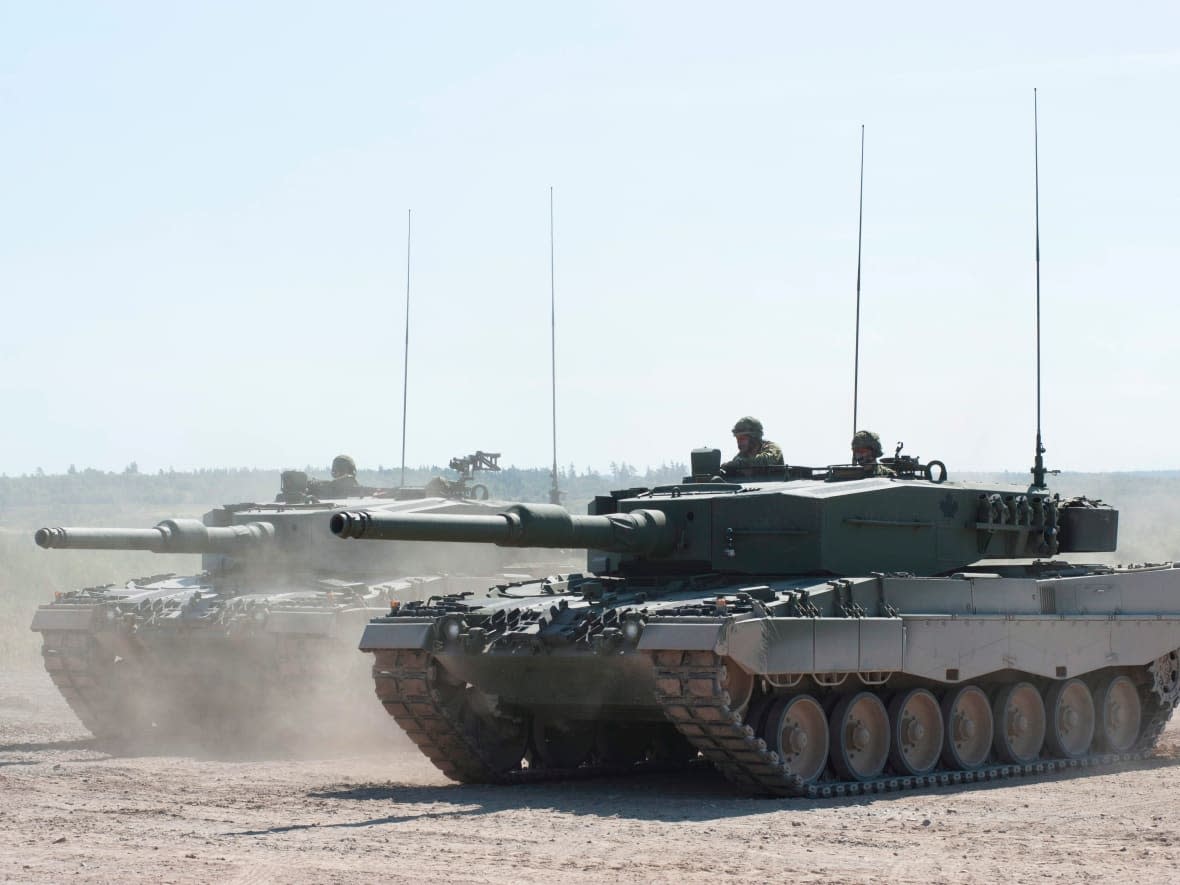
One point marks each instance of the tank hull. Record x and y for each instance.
(1012, 670)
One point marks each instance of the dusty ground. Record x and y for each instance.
(70, 812)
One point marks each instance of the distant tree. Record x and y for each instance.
(131, 469)
(73, 471)
(622, 471)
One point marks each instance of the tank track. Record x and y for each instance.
(75, 663)
(691, 688)
(124, 701)
(407, 684)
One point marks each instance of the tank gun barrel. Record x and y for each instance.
(169, 536)
(645, 532)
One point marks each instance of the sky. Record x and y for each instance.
(203, 231)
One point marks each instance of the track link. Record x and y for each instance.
(409, 685)
(691, 687)
(405, 681)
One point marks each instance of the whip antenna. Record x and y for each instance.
(406, 364)
(1038, 470)
(554, 491)
(859, 231)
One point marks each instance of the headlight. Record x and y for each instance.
(452, 628)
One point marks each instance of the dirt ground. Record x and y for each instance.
(370, 806)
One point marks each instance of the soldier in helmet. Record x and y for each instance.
(343, 466)
(753, 450)
(343, 483)
(866, 449)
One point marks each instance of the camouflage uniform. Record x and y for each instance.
(768, 455)
(337, 487)
(343, 483)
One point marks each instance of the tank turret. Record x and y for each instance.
(846, 521)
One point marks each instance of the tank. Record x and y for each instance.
(261, 641)
(808, 632)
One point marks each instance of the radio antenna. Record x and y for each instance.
(554, 491)
(1038, 470)
(406, 363)
(859, 231)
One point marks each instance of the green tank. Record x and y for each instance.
(809, 632)
(262, 639)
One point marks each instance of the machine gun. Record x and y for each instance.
(911, 466)
(466, 466)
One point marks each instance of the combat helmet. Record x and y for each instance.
(343, 465)
(748, 425)
(866, 439)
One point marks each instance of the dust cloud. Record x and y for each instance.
(292, 696)
(209, 692)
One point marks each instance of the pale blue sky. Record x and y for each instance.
(202, 240)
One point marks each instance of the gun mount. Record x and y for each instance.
(911, 466)
(469, 464)
(466, 466)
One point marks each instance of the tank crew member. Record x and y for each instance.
(753, 450)
(344, 471)
(866, 449)
(343, 483)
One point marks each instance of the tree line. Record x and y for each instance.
(96, 497)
